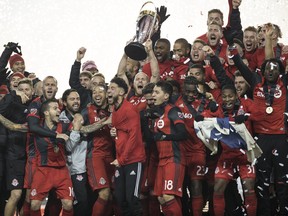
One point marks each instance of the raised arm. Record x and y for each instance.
(217, 67)
(74, 81)
(155, 72)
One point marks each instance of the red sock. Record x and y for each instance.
(197, 205)
(171, 208)
(145, 206)
(251, 204)
(35, 213)
(99, 207)
(154, 206)
(67, 213)
(26, 209)
(219, 205)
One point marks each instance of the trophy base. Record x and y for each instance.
(136, 51)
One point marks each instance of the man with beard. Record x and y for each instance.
(165, 64)
(100, 150)
(130, 152)
(81, 81)
(181, 51)
(51, 161)
(14, 107)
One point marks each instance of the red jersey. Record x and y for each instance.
(258, 57)
(192, 143)
(129, 145)
(170, 151)
(245, 105)
(100, 141)
(270, 123)
(49, 151)
(138, 101)
(165, 68)
(180, 69)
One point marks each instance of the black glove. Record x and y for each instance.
(199, 118)
(159, 136)
(213, 106)
(14, 47)
(229, 35)
(240, 119)
(162, 14)
(153, 113)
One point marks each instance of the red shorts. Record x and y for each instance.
(100, 172)
(47, 178)
(226, 169)
(196, 165)
(30, 169)
(169, 179)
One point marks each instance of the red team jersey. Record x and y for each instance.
(170, 151)
(129, 145)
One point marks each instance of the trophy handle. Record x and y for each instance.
(154, 18)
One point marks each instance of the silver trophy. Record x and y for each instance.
(147, 24)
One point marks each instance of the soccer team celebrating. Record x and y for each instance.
(137, 145)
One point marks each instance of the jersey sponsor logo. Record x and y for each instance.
(79, 177)
(160, 123)
(102, 181)
(33, 192)
(117, 174)
(180, 115)
(132, 172)
(187, 115)
(33, 111)
(15, 182)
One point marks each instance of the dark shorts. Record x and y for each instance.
(15, 170)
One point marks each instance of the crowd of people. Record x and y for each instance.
(195, 124)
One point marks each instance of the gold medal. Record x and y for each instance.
(269, 110)
(56, 149)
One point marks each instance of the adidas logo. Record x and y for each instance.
(133, 173)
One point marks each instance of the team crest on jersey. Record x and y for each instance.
(33, 111)
(102, 181)
(33, 192)
(79, 177)
(15, 182)
(160, 123)
(117, 174)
